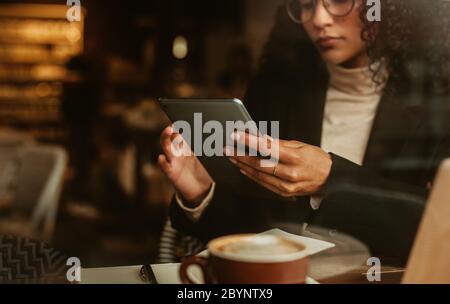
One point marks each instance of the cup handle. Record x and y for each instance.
(194, 260)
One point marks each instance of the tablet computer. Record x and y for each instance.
(198, 119)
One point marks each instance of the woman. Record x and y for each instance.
(361, 107)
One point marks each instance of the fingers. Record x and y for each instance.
(282, 150)
(167, 132)
(166, 143)
(282, 171)
(265, 185)
(257, 143)
(293, 144)
(164, 164)
(283, 187)
(173, 144)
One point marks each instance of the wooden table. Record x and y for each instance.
(343, 264)
(346, 263)
(389, 275)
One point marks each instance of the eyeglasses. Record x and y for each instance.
(302, 11)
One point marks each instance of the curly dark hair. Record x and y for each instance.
(413, 38)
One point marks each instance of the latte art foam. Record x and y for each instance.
(260, 246)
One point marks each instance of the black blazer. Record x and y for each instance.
(380, 203)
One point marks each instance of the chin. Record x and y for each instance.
(335, 57)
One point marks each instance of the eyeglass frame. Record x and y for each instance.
(288, 2)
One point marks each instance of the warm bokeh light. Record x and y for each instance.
(180, 47)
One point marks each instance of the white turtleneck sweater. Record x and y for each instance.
(350, 108)
(351, 104)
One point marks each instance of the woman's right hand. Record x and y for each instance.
(182, 167)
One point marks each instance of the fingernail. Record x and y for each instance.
(268, 138)
(235, 136)
(233, 160)
(243, 172)
(228, 151)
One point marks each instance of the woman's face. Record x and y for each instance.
(338, 39)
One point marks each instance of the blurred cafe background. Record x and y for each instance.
(79, 126)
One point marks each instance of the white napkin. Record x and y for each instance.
(168, 273)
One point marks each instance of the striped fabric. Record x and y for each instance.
(174, 245)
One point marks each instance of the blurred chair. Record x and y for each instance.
(39, 178)
(24, 260)
(10, 143)
(175, 245)
(11, 137)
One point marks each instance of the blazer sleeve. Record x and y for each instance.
(381, 212)
(227, 213)
(212, 221)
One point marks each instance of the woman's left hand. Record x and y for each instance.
(301, 170)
